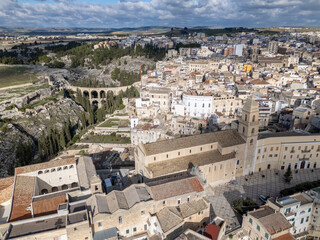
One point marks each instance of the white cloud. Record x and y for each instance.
(133, 13)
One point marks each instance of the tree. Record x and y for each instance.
(62, 140)
(288, 175)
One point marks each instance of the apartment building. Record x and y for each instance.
(197, 105)
(297, 209)
(267, 224)
(146, 133)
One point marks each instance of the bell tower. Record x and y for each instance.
(249, 129)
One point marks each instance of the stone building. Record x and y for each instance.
(220, 156)
(265, 223)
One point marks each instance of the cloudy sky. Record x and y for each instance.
(135, 13)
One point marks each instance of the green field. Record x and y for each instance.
(106, 139)
(110, 123)
(15, 75)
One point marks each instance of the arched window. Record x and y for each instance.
(64, 187)
(44, 191)
(71, 166)
(251, 142)
(54, 189)
(252, 131)
(53, 170)
(40, 172)
(46, 171)
(59, 169)
(74, 184)
(65, 167)
(253, 118)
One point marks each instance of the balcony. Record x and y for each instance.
(306, 151)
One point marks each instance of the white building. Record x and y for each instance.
(297, 209)
(197, 105)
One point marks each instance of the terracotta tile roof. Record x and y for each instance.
(275, 223)
(36, 167)
(6, 182)
(183, 163)
(212, 231)
(225, 138)
(259, 82)
(23, 193)
(48, 206)
(176, 188)
(6, 189)
(286, 236)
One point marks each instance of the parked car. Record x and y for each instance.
(263, 198)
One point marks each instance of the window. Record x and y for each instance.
(250, 220)
(259, 150)
(120, 219)
(266, 235)
(188, 199)
(179, 201)
(270, 155)
(134, 229)
(155, 158)
(309, 210)
(75, 229)
(286, 148)
(302, 219)
(145, 227)
(238, 162)
(127, 231)
(99, 224)
(307, 219)
(142, 213)
(251, 142)
(271, 149)
(178, 153)
(258, 227)
(190, 151)
(211, 146)
(164, 202)
(201, 149)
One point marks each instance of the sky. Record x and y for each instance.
(179, 13)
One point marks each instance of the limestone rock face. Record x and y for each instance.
(28, 126)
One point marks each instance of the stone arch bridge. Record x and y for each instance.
(97, 95)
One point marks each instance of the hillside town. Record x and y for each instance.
(221, 140)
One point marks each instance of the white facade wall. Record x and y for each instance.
(197, 106)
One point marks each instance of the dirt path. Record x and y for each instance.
(16, 86)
